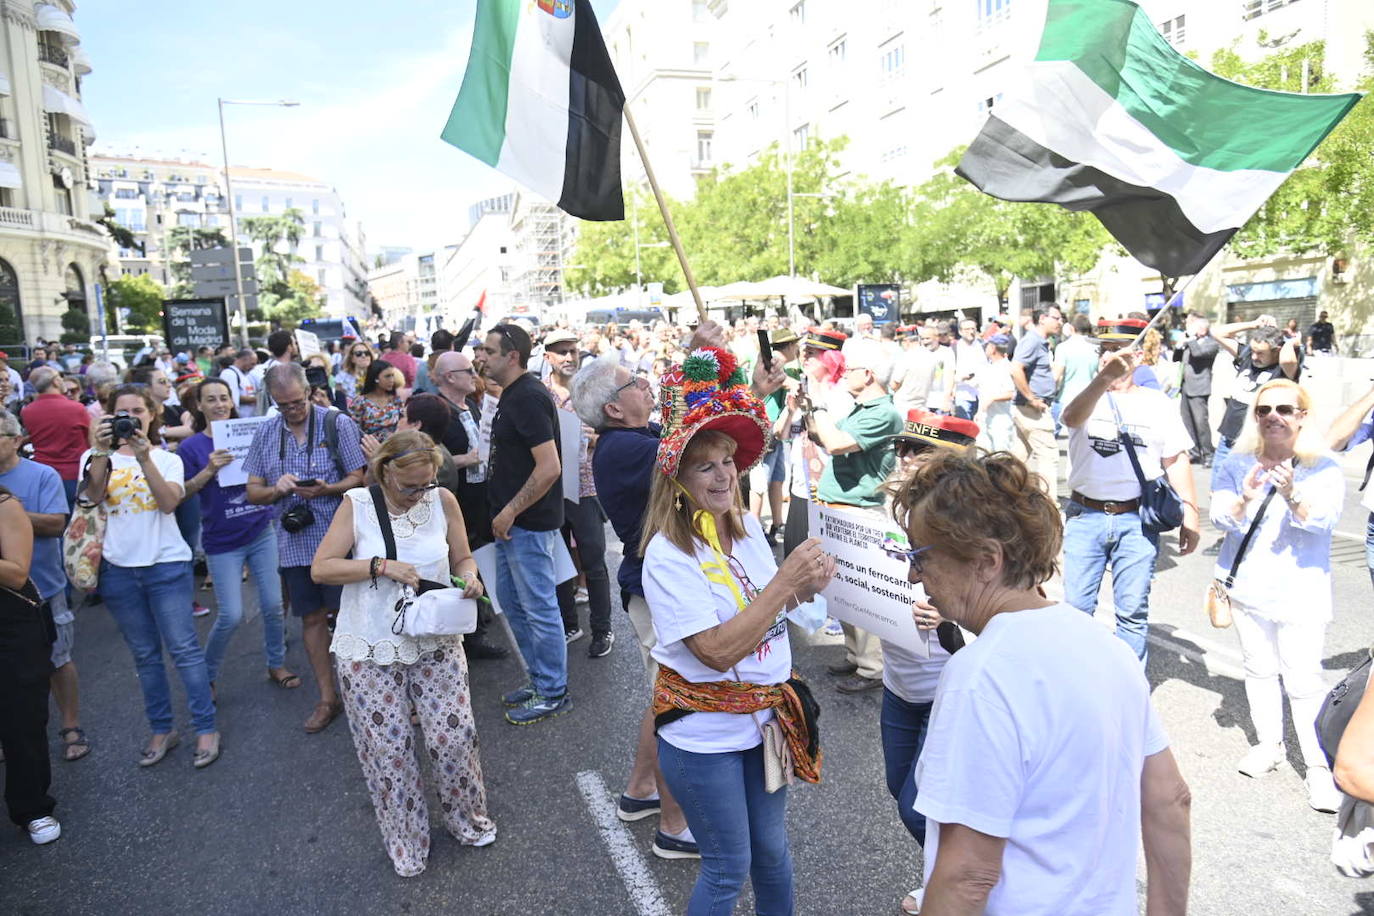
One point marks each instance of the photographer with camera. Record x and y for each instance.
(145, 573)
(303, 460)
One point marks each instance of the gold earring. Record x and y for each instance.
(677, 502)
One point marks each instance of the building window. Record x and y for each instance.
(1249, 9)
(704, 138)
(799, 78)
(186, 218)
(317, 227)
(893, 61)
(798, 13)
(699, 10)
(320, 274)
(264, 205)
(289, 203)
(800, 136)
(703, 99)
(701, 53)
(64, 196)
(1172, 30)
(319, 252)
(315, 206)
(836, 52)
(126, 194)
(992, 11)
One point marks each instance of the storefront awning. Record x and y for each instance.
(58, 102)
(81, 61)
(52, 19)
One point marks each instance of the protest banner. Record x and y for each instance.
(570, 442)
(308, 342)
(870, 589)
(235, 436)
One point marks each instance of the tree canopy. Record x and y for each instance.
(140, 296)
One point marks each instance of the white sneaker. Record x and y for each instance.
(1261, 759)
(1322, 793)
(44, 830)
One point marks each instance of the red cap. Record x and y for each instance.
(938, 429)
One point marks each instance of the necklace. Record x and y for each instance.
(416, 517)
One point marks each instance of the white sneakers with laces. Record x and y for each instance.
(43, 830)
(1322, 793)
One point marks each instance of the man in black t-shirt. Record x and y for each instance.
(525, 491)
(1321, 336)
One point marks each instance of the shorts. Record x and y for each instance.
(643, 623)
(307, 596)
(772, 468)
(65, 622)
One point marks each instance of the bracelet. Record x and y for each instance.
(373, 569)
(101, 453)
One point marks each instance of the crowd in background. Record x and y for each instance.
(387, 462)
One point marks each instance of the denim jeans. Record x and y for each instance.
(152, 605)
(1219, 457)
(1092, 541)
(226, 570)
(188, 523)
(528, 595)
(740, 827)
(904, 728)
(586, 522)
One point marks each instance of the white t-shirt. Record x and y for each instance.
(241, 384)
(138, 534)
(923, 376)
(839, 403)
(1039, 734)
(907, 674)
(994, 380)
(684, 602)
(1099, 467)
(969, 359)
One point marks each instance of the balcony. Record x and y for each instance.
(14, 218)
(62, 144)
(50, 55)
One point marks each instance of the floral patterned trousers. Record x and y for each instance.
(378, 700)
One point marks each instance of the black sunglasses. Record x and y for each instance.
(1284, 410)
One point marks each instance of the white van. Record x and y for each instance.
(126, 348)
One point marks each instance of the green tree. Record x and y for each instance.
(122, 235)
(304, 299)
(957, 227)
(604, 259)
(141, 297)
(1328, 202)
(76, 326)
(271, 233)
(870, 234)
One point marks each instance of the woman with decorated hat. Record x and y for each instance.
(730, 717)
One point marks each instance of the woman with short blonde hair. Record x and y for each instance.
(384, 674)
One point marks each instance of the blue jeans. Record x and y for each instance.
(528, 595)
(740, 827)
(904, 728)
(188, 523)
(1092, 540)
(1219, 456)
(152, 606)
(226, 569)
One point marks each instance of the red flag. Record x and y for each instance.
(482, 303)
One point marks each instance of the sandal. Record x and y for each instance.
(324, 714)
(152, 756)
(287, 681)
(915, 897)
(206, 756)
(80, 744)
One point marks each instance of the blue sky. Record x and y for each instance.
(375, 82)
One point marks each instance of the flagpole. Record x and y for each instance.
(667, 216)
(1135, 344)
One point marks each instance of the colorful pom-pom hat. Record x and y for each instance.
(708, 391)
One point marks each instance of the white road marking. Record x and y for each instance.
(639, 881)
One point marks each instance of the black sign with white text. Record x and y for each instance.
(193, 323)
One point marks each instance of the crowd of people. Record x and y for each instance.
(382, 468)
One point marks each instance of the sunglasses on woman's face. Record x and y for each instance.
(357, 353)
(1283, 410)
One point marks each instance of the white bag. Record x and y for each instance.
(438, 612)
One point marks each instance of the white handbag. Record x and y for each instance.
(438, 612)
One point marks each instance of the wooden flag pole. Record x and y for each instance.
(667, 216)
(1140, 338)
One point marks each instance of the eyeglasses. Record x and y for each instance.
(357, 353)
(906, 449)
(468, 371)
(750, 590)
(637, 382)
(1283, 410)
(411, 491)
(292, 405)
(915, 557)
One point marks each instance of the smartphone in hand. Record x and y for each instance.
(312, 482)
(765, 349)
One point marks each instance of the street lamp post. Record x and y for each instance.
(233, 215)
(787, 158)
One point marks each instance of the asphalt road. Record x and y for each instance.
(283, 824)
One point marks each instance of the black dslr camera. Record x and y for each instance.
(122, 427)
(298, 518)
